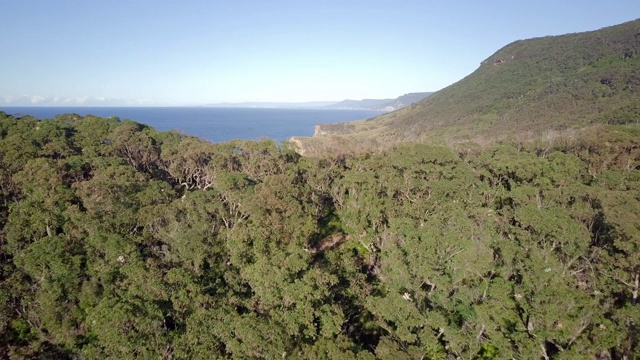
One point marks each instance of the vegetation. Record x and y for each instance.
(120, 241)
(524, 90)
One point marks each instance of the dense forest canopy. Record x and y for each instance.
(118, 241)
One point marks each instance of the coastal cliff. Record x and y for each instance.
(344, 137)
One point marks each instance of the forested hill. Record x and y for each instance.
(525, 89)
(118, 241)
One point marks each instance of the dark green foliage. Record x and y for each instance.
(117, 241)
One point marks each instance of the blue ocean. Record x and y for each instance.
(213, 123)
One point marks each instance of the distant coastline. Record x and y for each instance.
(384, 105)
(364, 104)
(275, 105)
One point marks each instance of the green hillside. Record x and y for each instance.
(527, 88)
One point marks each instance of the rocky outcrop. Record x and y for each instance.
(334, 129)
(298, 145)
(319, 131)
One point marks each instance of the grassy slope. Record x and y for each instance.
(529, 87)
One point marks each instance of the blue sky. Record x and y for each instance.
(161, 52)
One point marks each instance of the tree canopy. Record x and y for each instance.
(120, 241)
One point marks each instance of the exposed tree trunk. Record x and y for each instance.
(634, 292)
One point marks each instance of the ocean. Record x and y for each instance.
(213, 123)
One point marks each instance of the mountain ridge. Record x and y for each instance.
(527, 87)
(382, 104)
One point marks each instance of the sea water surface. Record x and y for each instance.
(213, 123)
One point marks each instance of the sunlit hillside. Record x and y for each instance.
(524, 90)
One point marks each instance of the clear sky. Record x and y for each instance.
(167, 52)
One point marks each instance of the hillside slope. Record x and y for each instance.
(528, 87)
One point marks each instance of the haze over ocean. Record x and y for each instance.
(212, 123)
